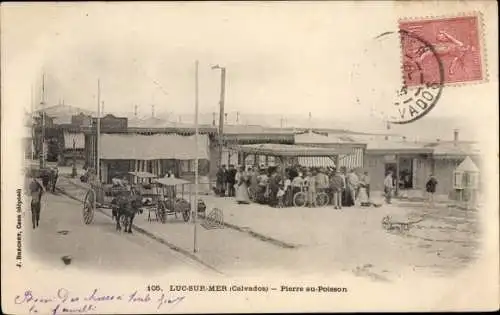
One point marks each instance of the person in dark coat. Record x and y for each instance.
(231, 181)
(430, 188)
(221, 181)
(36, 190)
(274, 186)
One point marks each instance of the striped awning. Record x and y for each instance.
(353, 160)
(316, 161)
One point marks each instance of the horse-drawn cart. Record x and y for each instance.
(158, 196)
(170, 203)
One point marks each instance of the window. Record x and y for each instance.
(188, 166)
(457, 180)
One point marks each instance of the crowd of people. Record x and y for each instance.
(277, 186)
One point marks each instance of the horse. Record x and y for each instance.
(125, 207)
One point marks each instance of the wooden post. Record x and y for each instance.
(397, 175)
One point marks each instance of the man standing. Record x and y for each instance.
(430, 187)
(337, 186)
(36, 189)
(221, 181)
(231, 181)
(55, 175)
(366, 182)
(352, 186)
(388, 187)
(322, 181)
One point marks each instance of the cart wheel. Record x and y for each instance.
(299, 199)
(186, 215)
(160, 214)
(252, 194)
(89, 207)
(185, 208)
(322, 199)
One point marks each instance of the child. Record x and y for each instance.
(280, 195)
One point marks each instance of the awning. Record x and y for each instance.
(288, 150)
(320, 161)
(171, 181)
(79, 139)
(153, 147)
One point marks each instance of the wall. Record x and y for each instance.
(375, 165)
(444, 174)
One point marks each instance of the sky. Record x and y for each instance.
(281, 58)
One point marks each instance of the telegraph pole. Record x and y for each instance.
(221, 111)
(98, 134)
(194, 204)
(42, 103)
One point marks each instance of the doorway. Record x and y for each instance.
(391, 167)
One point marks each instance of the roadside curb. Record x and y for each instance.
(250, 232)
(152, 236)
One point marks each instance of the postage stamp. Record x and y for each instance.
(457, 43)
(399, 99)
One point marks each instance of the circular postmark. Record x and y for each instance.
(400, 77)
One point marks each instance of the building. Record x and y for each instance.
(64, 127)
(413, 162)
(155, 150)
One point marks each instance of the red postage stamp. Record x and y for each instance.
(451, 52)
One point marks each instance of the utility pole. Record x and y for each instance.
(221, 110)
(42, 103)
(33, 125)
(98, 133)
(194, 204)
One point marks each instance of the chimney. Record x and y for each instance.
(213, 118)
(455, 136)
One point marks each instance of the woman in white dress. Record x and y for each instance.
(242, 196)
(363, 194)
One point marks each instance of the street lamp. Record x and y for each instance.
(221, 110)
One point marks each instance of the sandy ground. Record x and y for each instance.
(325, 240)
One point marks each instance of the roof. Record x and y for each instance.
(457, 149)
(171, 181)
(153, 147)
(63, 110)
(316, 138)
(288, 150)
(254, 129)
(387, 146)
(143, 174)
(467, 166)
